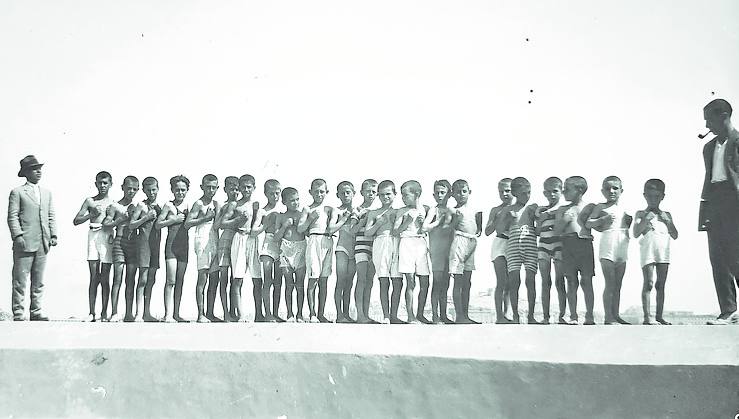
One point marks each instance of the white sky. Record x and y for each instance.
(383, 89)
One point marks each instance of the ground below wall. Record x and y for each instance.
(84, 370)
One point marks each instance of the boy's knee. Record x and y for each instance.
(660, 285)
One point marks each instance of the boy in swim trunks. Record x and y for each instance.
(467, 225)
(201, 216)
(440, 241)
(244, 249)
(613, 222)
(225, 239)
(176, 246)
(550, 249)
(292, 253)
(319, 222)
(118, 215)
(363, 252)
(385, 247)
(521, 249)
(656, 229)
(99, 246)
(345, 263)
(496, 224)
(577, 246)
(270, 253)
(148, 244)
(411, 225)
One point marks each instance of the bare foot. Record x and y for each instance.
(532, 320)
(203, 319)
(138, 319)
(621, 321)
(397, 321)
(446, 320)
(663, 322)
(149, 318)
(115, 318)
(423, 320)
(647, 322)
(545, 321)
(179, 319)
(169, 320)
(323, 319)
(503, 320)
(278, 319)
(90, 318)
(342, 319)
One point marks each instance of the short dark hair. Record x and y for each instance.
(231, 180)
(459, 183)
(317, 183)
(247, 178)
(271, 183)
(345, 183)
(443, 182)
(288, 192)
(103, 175)
(130, 178)
(657, 184)
(387, 184)
(413, 186)
(718, 107)
(368, 183)
(210, 178)
(149, 180)
(612, 178)
(578, 182)
(174, 180)
(553, 180)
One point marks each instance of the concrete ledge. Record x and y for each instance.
(156, 370)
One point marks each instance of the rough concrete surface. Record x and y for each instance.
(294, 371)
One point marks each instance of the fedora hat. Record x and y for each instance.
(28, 162)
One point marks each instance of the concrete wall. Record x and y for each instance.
(177, 383)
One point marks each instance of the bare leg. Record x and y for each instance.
(200, 295)
(116, 289)
(342, 261)
(514, 283)
(257, 295)
(423, 290)
(586, 282)
(385, 298)
(322, 294)
(130, 290)
(609, 276)
(559, 283)
(435, 296)
(466, 286)
(276, 290)
(545, 270)
(368, 289)
(646, 291)
(150, 281)
(289, 287)
(223, 292)
(312, 284)
(501, 277)
(410, 281)
(359, 291)
(618, 280)
(531, 294)
(269, 274)
(443, 293)
(169, 285)
(351, 269)
(300, 287)
(214, 279)
(104, 279)
(140, 291)
(395, 299)
(92, 289)
(572, 284)
(178, 285)
(661, 280)
(238, 310)
(457, 298)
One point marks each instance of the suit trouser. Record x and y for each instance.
(723, 244)
(28, 265)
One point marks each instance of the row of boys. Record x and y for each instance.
(241, 238)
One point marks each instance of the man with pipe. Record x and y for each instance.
(719, 207)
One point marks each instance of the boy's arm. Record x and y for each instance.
(559, 221)
(667, 218)
(109, 220)
(594, 219)
(585, 214)
(402, 221)
(304, 222)
(83, 214)
(192, 216)
(373, 224)
(162, 220)
(337, 221)
(428, 224)
(358, 223)
(260, 224)
(281, 225)
(140, 216)
(642, 223)
(228, 220)
(218, 221)
(490, 226)
(478, 221)
(115, 218)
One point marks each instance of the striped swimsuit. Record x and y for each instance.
(521, 248)
(550, 246)
(363, 244)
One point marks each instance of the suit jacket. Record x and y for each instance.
(731, 163)
(36, 223)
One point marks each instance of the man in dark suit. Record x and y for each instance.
(719, 212)
(33, 229)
